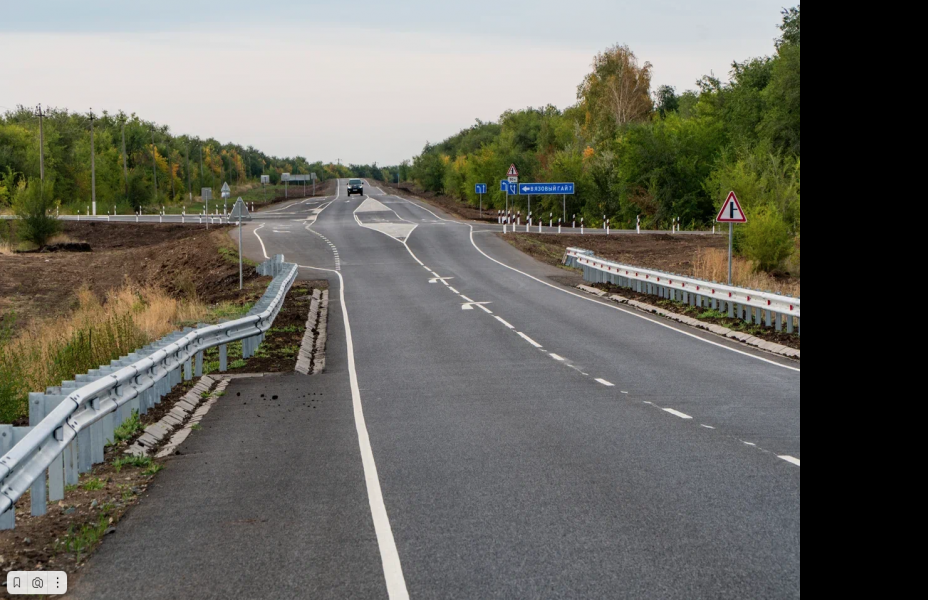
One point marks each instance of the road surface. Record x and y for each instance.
(480, 432)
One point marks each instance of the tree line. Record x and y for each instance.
(138, 163)
(655, 154)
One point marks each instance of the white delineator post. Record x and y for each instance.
(581, 226)
(638, 227)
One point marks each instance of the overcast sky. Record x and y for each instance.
(356, 80)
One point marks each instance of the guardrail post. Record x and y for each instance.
(789, 324)
(7, 519)
(199, 368)
(97, 436)
(188, 369)
(223, 358)
(56, 469)
(36, 414)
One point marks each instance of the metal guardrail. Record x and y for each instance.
(70, 425)
(758, 307)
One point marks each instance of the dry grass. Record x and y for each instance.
(6, 248)
(96, 332)
(61, 239)
(711, 264)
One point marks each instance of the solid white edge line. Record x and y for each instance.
(677, 413)
(790, 459)
(612, 306)
(605, 383)
(389, 555)
(556, 357)
(628, 312)
(263, 249)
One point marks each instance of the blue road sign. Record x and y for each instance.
(546, 189)
(481, 188)
(510, 188)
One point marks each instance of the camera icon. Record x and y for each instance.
(38, 583)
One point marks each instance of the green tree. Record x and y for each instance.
(766, 238)
(33, 205)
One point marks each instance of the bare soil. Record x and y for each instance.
(182, 259)
(670, 253)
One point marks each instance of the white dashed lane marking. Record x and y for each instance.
(529, 340)
(605, 383)
(677, 413)
(791, 460)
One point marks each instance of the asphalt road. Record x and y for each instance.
(480, 432)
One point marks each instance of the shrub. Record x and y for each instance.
(766, 239)
(32, 203)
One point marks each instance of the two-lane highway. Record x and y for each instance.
(510, 438)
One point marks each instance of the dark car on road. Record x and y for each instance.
(355, 186)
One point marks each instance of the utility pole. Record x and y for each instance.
(93, 168)
(171, 170)
(201, 163)
(154, 163)
(187, 148)
(125, 160)
(41, 116)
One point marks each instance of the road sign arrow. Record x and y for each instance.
(731, 211)
(437, 279)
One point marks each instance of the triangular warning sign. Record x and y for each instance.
(731, 211)
(513, 171)
(240, 211)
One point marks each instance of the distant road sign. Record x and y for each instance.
(265, 179)
(504, 186)
(240, 210)
(731, 211)
(546, 189)
(480, 188)
(285, 176)
(226, 191)
(313, 176)
(513, 180)
(206, 193)
(513, 171)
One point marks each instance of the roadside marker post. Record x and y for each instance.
(608, 225)
(638, 227)
(732, 213)
(581, 226)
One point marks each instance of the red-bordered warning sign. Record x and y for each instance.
(513, 171)
(731, 211)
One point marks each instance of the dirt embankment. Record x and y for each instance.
(181, 259)
(671, 253)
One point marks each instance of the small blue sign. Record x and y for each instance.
(481, 188)
(509, 188)
(546, 189)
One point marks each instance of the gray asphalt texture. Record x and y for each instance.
(505, 472)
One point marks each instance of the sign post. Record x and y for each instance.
(313, 175)
(731, 213)
(226, 193)
(265, 179)
(285, 177)
(206, 194)
(481, 189)
(240, 211)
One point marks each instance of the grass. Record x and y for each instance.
(196, 427)
(79, 541)
(139, 462)
(128, 429)
(6, 248)
(93, 485)
(712, 265)
(96, 332)
(152, 470)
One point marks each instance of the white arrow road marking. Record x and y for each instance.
(480, 305)
(441, 279)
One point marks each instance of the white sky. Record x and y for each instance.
(356, 80)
